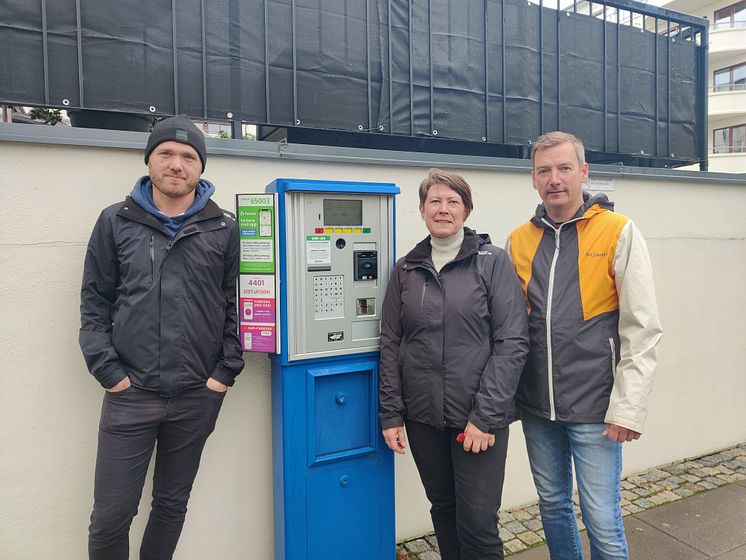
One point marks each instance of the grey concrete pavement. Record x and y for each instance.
(688, 510)
(707, 525)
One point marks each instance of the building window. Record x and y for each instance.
(729, 140)
(732, 16)
(732, 78)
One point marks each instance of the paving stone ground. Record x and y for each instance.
(520, 528)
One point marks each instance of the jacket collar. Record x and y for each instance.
(592, 205)
(421, 253)
(130, 210)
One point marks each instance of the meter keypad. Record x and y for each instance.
(328, 296)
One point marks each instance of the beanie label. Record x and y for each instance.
(182, 135)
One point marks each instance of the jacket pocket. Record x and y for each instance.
(152, 258)
(424, 291)
(612, 346)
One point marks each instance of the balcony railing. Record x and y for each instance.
(729, 150)
(722, 25)
(733, 86)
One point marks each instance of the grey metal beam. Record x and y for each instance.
(703, 56)
(63, 135)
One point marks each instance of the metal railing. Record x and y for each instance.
(661, 22)
(729, 150)
(731, 86)
(721, 25)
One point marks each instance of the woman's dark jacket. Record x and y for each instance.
(158, 309)
(453, 343)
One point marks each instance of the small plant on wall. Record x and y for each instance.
(46, 115)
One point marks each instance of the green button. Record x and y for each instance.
(366, 230)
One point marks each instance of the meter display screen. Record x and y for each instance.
(343, 212)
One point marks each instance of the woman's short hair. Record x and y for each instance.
(456, 183)
(552, 139)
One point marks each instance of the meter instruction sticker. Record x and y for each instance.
(258, 338)
(258, 305)
(257, 299)
(256, 223)
(318, 249)
(257, 255)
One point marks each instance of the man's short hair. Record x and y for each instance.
(552, 139)
(456, 182)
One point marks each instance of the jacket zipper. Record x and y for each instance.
(152, 258)
(550, 379)
(550, 292)
(443, 344)
(422, 307)
(181, 235)
(613, 357)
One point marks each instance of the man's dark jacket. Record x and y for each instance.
(158, 309)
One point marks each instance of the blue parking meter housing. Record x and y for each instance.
(333, 474)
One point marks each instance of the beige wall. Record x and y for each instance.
(49, 405)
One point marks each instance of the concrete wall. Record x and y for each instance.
(49, 405)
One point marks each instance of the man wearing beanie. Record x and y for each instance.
(159, 333)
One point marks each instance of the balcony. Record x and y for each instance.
(726, 41)
(727, 100)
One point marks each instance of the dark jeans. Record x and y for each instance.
(465, 490)
(131, 422)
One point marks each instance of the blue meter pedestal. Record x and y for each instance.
(333, 474)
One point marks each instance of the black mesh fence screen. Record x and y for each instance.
(489, 71)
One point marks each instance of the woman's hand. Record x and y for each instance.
(476, 440)
(396, 440)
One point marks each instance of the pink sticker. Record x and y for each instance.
(257, 310)
(258, 338)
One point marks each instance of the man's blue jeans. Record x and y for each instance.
(553, 448)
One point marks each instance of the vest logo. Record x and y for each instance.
(596, 254)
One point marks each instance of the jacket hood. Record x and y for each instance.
(592, 204)
(471, 244)
(142, 194)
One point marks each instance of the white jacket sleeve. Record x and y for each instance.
(639, 331)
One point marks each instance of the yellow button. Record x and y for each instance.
(358, 230)
(329, 230)
(338, 230)
(348, 230)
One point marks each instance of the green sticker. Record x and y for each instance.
(256, 223)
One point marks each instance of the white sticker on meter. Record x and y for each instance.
(318, 250)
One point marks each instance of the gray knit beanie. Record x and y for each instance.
(179, 129)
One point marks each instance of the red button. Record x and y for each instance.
(319, 230)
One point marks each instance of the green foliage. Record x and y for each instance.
(49, 116)
(223, 134)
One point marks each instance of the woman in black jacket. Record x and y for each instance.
(454, 338)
